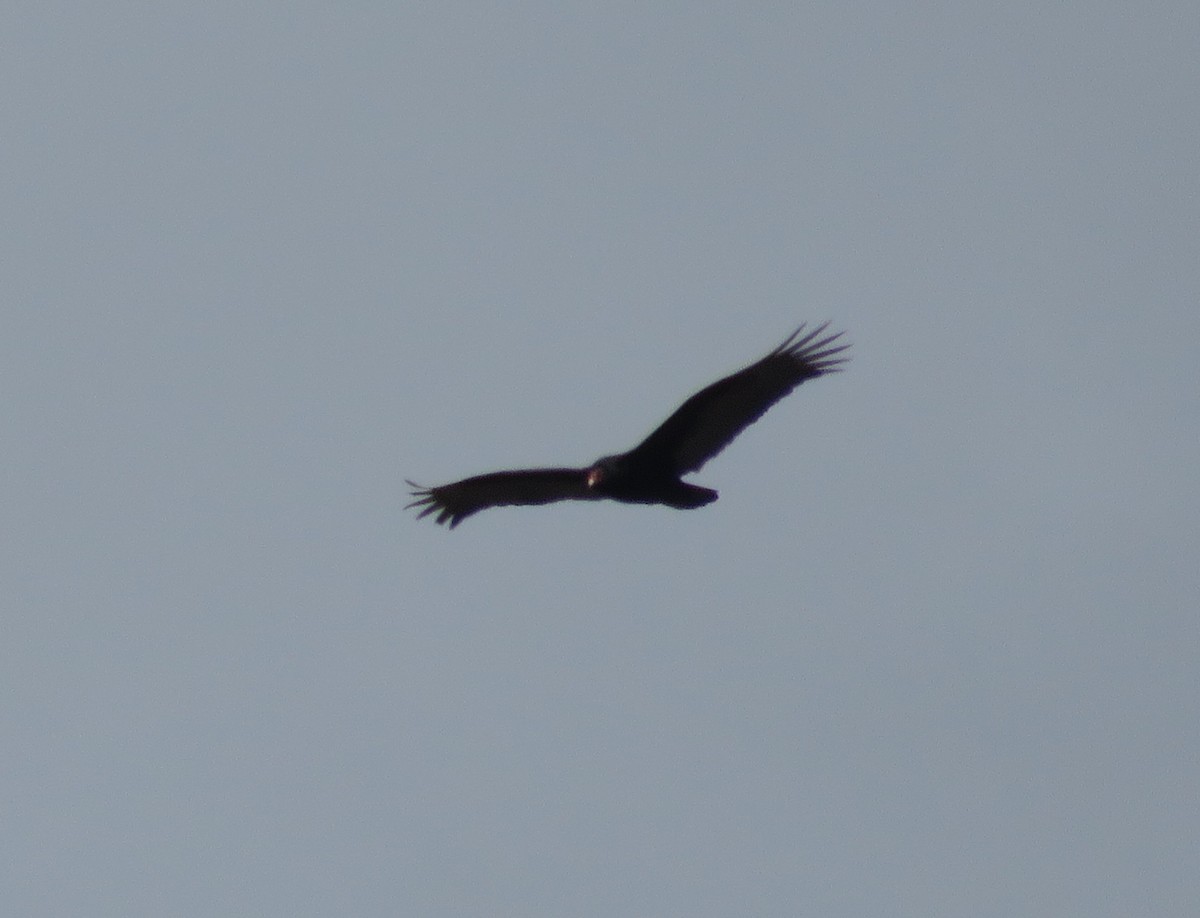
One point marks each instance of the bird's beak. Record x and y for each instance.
(593, 477)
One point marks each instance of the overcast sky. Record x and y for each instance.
(932, 653)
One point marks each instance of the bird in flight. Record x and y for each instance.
(650, 473)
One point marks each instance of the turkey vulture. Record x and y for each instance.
(650, 472)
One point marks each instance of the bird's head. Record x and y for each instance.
(602, 471)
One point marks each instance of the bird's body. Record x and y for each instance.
(632, 479)
(650, 473)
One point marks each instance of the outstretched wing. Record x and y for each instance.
(708, 421)
(455, 502)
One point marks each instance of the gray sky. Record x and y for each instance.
(932, 653)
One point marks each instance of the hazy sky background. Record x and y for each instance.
(934, 651)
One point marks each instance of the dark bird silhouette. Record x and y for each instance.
(650, 472)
